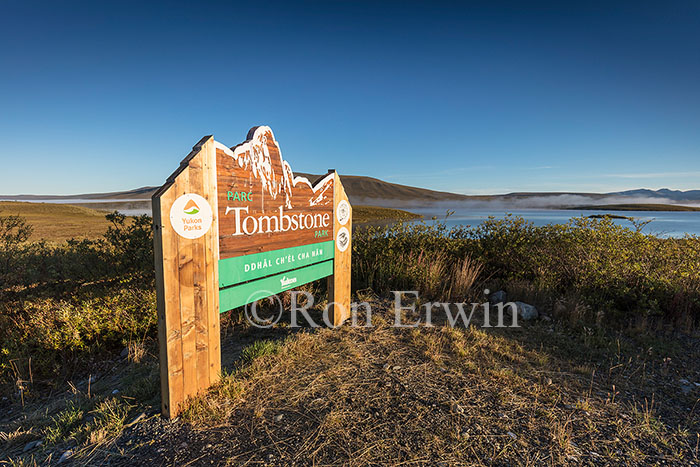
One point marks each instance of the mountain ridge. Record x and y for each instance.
(363, 190)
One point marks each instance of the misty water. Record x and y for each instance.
(663, 223)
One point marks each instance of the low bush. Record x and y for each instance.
(126, 250)
(617, 271)
(61, 304)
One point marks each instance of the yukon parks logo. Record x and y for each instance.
(191, 208)
(191, 216)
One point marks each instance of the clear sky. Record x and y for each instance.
(464, 97)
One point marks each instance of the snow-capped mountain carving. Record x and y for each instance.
(275, 176)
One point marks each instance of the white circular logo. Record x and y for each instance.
(342, 239)
(343, 212)
(190, 216)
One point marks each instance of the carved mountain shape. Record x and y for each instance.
(257, 168)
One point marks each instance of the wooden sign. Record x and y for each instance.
(232, 226)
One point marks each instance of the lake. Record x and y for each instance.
(663, 223)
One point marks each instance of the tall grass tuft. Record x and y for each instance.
(464, 275)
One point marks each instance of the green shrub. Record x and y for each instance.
(60, 304)
(617, 271)
(125, 251)
(61, 334)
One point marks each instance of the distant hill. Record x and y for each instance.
(361, 189)
(142, 193)
(673, 195)
(372, 191)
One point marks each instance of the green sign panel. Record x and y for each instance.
(233, 271)
(239, 295)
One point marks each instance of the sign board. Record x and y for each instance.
(232, 226)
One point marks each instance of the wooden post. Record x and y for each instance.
(187, 284)
(339, 282)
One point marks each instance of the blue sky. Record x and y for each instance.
(466, 97)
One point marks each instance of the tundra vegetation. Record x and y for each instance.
(610, 376)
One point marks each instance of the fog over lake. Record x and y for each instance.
(663, 223)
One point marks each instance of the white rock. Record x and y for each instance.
(65, 456)
(497, 297)
(31, 445)
(526, 312)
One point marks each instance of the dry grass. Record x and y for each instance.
(464, 276)
(58, 222)
(439, 396)
(388, 396)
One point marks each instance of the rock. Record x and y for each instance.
(116, 391)
(125, 352)
(497, 297)
(32, 444)
(396, 368)
(278, 418)
(65, 456)
(526, 312)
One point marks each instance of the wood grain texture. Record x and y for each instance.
(339, 283)
(187, 286)
(211, 258)
(257, 169)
